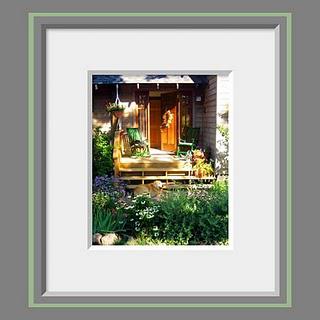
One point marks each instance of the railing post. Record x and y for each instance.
(117, 153)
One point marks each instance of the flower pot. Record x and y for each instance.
(118, 114)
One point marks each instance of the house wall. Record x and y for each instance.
(223, 97)
(104, 94)
(198, 111)
(204, 112)
(209, 117)
(100, 118)
(223, 104)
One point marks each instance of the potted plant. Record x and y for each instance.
(116, 109)
(201, 167)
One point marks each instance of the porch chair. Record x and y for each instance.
(189, 141)
(139, 146)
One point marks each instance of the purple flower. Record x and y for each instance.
(113, 186)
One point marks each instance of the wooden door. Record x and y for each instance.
(168, 129)
(155, 122)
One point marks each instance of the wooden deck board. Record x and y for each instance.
(164, 178)
(177, 186)
(155, 169)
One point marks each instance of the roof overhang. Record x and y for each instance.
(185, 79)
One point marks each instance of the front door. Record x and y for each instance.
(168, 129)
(155, 122)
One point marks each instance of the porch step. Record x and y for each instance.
(169, 177)
(153, 174)
(161, 166)
(141, 169)
(169, 186)
(146, 163)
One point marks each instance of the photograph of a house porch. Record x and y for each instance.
(162, 132)
(191, 101)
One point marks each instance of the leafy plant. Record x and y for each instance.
(143, 240)
(142, 214)
(105, 222)
(113, 107)
(184, 217)
(222, 152)
(203, 169)
(141, 153)
(102, 158)
(201, 166)
(196, 216)
(106, 219)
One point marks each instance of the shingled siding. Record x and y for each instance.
(210, 116)
(198, 120)
(223, 105)
(223, 96)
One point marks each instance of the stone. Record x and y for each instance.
(109, 239)
(96, 238)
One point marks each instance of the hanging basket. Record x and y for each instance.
(118, 113)
(116, 108)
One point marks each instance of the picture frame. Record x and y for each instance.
(37, 27)
(22, 299)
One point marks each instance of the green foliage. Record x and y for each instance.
(142, 215)
(181, 217)
(203, 169)
(222, 151)
(196, 216)
(224, 131)
(113, 107)
(143, 240)
(141, 153)
(102, 161)
(105, 217)
(201, 166)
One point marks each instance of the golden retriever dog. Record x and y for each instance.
(154, 189)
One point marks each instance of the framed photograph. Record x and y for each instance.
(159, 169)
(160, 160)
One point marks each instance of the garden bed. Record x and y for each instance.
(191, 216)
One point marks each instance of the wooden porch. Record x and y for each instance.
(160, 165)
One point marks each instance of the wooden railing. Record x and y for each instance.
(117, 152)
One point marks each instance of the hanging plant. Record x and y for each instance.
(116, 109)
(167, 119)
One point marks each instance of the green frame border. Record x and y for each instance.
(31, 159)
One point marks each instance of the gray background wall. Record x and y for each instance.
(13, 158)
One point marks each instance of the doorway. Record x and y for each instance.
(169, 127)
(169, 114)
(155, 122)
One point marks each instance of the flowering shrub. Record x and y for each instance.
(184, 217)
(112, 186)
(142, 214)
(201, 166)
